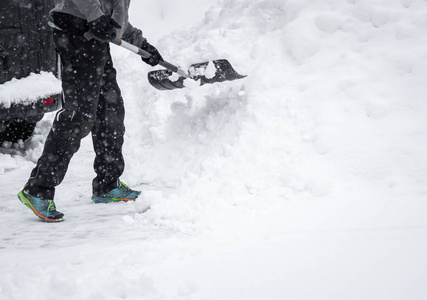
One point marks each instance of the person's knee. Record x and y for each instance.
(77, 124)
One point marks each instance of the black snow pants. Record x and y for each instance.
(92, 104)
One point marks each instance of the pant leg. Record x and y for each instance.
(83, 65)
(108, 133)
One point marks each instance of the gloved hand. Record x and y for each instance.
(134, 36)
(155, 57)
(103, 28)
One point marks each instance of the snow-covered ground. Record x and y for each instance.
(305, 180)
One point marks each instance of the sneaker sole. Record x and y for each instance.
(112, 200)
(28, 204)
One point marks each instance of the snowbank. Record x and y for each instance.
(333, 102)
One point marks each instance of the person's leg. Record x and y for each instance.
(107, 134)
(107, 137)
(83, 65)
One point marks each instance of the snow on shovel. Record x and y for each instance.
(206, 72)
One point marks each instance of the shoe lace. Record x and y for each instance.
(51, 205)
(123, 186)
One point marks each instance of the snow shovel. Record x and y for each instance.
(206, 72)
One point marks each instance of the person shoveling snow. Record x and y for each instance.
(92, 103)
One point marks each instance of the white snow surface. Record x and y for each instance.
(305, 180)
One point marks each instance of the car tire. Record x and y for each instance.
(15, 130)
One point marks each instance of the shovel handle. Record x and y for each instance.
(145, 54)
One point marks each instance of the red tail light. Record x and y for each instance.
(48, 101)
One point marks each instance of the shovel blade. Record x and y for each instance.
(220, 71)
(161, 80)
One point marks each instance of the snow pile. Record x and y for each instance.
(29, 89)
(333, 102)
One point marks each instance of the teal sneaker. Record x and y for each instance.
(44, 209)
(121, 193)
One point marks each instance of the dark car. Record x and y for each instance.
(28, 67)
